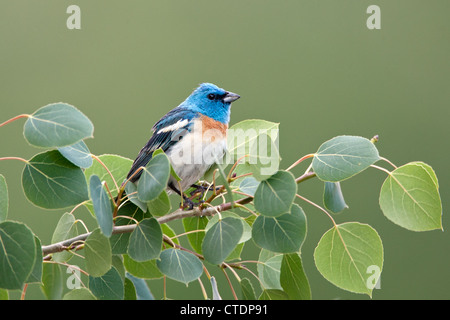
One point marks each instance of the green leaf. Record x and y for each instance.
(131, 191)
(160, 206)
(143, 270)
(102, 205)
(172, 171)
(248, 293)
(52, 281)
(107, 287)
(168, 231)
(247, 230)
(36, 274)
(273, 294)
(65, 229)
(154, 178)
(141, 288)
(249, 185)
(119, 241)
(180, 265)
(79, 294)
(146, 240)
(17, 254)
(269, 269)
(343, 157)
(284, 233)
(129, 291)
(293, 278)
(275, 195)
(78, 154)
(346, 253)
(410, 197)
(50, 181)
(221, 239)
(243, 134)
(117, 165)
(57, 125)
(196, 238)
(3, 199)
(4, 295)
(264, 158)
(333, 198)
(97, 253)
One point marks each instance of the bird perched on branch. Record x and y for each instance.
(193, 135)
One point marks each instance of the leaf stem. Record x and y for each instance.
(306, 176)
(300, 161)
(388, 161)
(205, 295)
(14, 119)
(107, 170)
(229, 283)
(14, 158)
(381, 168)
(317, 206)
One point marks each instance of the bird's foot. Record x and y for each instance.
(189, 204)
(201, 189)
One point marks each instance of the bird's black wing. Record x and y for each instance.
(166, 133)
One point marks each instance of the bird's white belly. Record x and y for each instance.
(192, 156)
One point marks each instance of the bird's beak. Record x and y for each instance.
(230, 97)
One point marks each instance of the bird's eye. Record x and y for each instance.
(211, 96)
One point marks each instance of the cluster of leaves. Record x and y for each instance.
(134, 241)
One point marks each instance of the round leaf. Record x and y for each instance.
(160, 205)
(79, 294)
(17, 254)
(154, 178)
(269, 269)
(293, 278)
(410, 197)
(50, 181)
(275, 195)
(107, 287)
(143, 270)
(342, 157)
(97, 253)
(52, 281)
(36, 274)
(117, 165)
(221, 239)
(346, 253)
(180, 265)
(243, 134)
(146, 240)
(78, 154)
(65, 229)
(196, 238)
(284, 233)
(249, 185)
(102, 205)
(264, 157)
(57, 125)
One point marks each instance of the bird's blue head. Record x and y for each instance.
(212, 101)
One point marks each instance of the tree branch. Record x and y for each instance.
(177, 214)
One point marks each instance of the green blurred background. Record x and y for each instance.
(313, 66)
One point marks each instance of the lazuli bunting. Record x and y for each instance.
(193, 136)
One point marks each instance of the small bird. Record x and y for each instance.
(192, 135)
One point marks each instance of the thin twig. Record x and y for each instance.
(15, 118)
